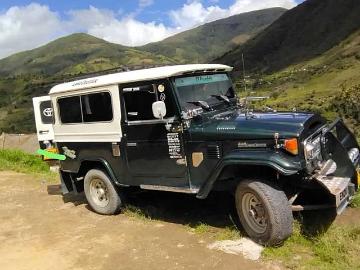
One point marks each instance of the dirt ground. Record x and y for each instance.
(41, 229)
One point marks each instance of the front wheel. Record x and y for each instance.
(101, 193)
(264, 212)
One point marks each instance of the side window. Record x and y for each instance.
(46, 112)
(89, 108)
(139, 100)
(97, 107)
(70, 110)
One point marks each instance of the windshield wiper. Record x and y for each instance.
(222, 97)
(203, 104)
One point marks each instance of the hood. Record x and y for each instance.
(238, 125)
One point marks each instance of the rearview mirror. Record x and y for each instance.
(159, 109)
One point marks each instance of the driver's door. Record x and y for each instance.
(155, 152)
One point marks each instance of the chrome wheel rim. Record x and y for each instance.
(254, 213)
(99, 192)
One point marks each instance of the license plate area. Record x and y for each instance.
(337, 186)
(341, 196)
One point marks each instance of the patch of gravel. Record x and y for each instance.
(249, 249)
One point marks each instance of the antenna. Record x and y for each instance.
(246, 95)
(243, 65)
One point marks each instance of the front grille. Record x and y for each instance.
(213, 152)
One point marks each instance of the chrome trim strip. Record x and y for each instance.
(150, 122)
(171, 189)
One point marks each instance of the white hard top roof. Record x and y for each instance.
(137, 75)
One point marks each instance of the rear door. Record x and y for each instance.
(43, 112)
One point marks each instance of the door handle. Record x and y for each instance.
(43, 131)
(131, 144)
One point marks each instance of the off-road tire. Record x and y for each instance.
(275, 208)
(114, 197)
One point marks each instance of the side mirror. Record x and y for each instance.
(159, 109)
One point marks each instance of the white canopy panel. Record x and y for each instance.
(137, 75)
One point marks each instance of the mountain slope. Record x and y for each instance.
(328, 84)
(76, 53)
(215, 38)
(302, 33)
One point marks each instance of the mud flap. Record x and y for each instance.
(339, 188)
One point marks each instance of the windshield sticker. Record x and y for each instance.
(201, 79)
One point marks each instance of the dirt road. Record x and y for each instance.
(40, 229)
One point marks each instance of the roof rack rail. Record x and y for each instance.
(69, 78)
(109, 71)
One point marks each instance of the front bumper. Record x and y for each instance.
(342, 183)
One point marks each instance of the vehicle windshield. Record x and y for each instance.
(203, 90)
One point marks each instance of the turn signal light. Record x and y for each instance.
(291, 145)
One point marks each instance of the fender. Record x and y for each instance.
(69, 183)
(276, 160)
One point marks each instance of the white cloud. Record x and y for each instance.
(23, 28)
(241, 6)
(131, 32)
(194, 13)
(145, 3)
(30, 26)
(126, 31)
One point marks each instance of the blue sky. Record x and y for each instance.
(155, 12)
(26, 24)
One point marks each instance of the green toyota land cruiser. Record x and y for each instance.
(181, 129)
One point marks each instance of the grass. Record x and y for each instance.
(20, 161)
(228, 233)
(336, 248)
(356, 201)
(136, 213)
(219, 234)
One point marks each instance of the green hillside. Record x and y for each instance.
(328, 84)
(76, 53)
(215, 38)
(32, 73)
(302, 33)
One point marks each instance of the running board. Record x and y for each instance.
(171, 189)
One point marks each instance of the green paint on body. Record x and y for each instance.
(50, 155)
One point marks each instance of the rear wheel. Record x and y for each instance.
(101, 193)
(264, 212)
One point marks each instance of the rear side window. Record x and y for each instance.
(46, 112)
(89, 108)
(70, 110)
(96, 107)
